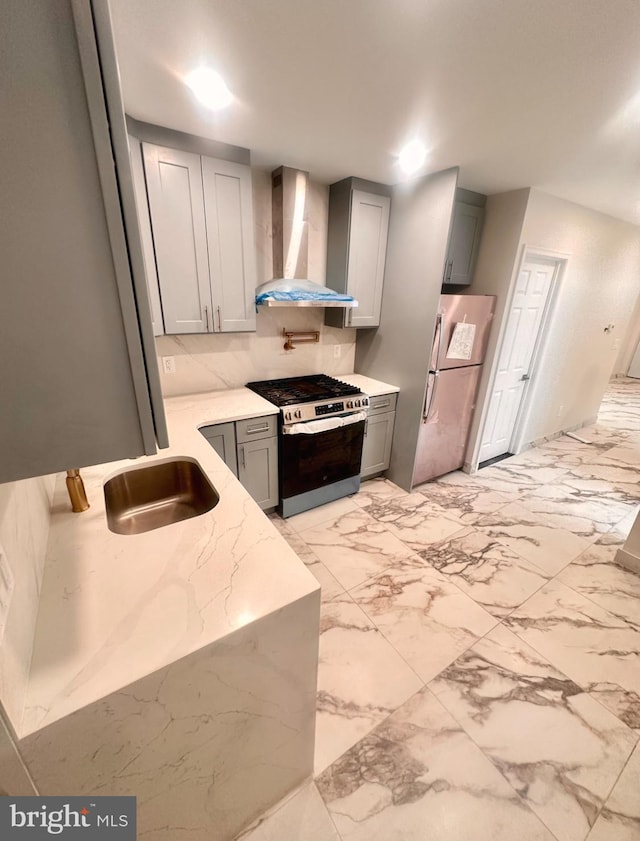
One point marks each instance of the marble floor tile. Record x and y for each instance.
(510, 477)
(620, 818)
(619, 414)
(355, 547)
(491, 574)
(590, 497)
(595, 648)
(564, 762)
(376, 490)
(627, 452)
(546, 542)
(623, 528)
(412, 519)
(331, 587)
(322, 514)
(466, 502)
(361, 679)
(300, 817)
(623, 479)
(419, 777)
(595, 575)
(428, 620)
(581, 513)
(565, 452)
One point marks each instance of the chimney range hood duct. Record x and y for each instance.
(291, 287)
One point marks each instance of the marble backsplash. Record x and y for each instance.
(25, 510)
(205, 362)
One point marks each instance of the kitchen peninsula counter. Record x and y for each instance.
(114, 608)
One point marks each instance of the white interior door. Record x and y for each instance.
(514, 367)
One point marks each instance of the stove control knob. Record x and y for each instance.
(365, 401)
(298, 413)
(357, 402)
(287, 416)
(349, 404)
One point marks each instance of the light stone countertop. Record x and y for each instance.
(372, 388)
(114, 608)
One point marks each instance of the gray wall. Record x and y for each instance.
(398, 351)
(598, 287)
(496, 266)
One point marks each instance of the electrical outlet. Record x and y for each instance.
(337, 350)
(169, 364)
(560, 410)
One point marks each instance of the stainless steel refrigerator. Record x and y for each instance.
(459, 346)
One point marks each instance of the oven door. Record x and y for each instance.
(309, 461)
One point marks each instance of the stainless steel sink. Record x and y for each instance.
(158, 495)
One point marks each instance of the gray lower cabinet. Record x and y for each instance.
(222, 438)
(249, 448)
(376, 450)
(258, 470)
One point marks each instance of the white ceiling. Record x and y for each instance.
(542, 93)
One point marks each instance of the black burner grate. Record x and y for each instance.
(291, 390)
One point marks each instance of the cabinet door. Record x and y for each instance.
(222, 437)
(75, 380)
(232, 262)
(146, 237)
(367, 251)
(464, 244)
(258, 470)
(174, 184)
(376, 450)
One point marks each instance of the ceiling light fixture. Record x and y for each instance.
(209, 88)
(412, 156)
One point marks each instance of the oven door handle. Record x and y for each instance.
(315, 427)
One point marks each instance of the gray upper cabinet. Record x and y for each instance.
(144, 221)
(79, 379)
(230, 244)
(202, 221)
(464, 240)
(356, 249)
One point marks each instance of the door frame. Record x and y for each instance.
(528, 254)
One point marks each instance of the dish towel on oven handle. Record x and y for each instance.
(323, 424)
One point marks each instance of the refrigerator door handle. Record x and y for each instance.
(429, 398)
(437, 342)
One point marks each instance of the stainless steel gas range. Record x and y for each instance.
(321, 432)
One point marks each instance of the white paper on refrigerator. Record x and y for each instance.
(462, 338)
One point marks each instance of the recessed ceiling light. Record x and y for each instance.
(412, 156)
(209, 88)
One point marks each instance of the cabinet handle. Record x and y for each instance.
(244, 464)
(254, 429)
(381, 405)
(219, 321)
(449, 270)
(206, 317)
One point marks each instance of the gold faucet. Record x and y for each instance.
(77, 493)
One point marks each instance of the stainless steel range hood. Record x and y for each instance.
(291, 286)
